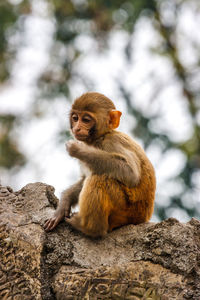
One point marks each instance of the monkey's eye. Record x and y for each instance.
(86, 119)
(74, 117)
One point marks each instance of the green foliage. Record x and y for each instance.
(10, 22)
(92, 18)
(10, 156)
(9, 16)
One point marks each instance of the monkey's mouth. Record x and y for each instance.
(81, 137)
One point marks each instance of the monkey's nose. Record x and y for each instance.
(77, 130)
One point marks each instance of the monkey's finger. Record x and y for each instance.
(46, 223)
(69, 143)
(51, 224)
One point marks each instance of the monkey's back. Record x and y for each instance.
(141, 197)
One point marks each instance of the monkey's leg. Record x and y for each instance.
(94, 226)
(119, 218)
(74, 221)
(69, 198)
(137, 208)
(94, 205)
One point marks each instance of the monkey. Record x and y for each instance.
(118, 183)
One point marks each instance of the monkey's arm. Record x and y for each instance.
(124, 166)
(68, 199)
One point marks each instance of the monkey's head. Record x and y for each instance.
(93, 115)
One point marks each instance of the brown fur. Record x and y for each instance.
(119, 186)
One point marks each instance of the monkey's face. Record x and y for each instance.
(82, 125)
(92, 116)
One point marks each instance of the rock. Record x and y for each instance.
(148, 261)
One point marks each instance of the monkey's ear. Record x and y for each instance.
(114, 118)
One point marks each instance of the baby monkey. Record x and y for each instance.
(118, 182)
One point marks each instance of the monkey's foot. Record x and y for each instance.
(74, 221)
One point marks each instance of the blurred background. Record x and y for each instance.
(143, 54)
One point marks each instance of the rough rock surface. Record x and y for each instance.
(148, 261)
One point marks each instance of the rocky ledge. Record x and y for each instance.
(147, 261)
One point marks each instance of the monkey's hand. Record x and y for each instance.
(73, 148)
(59, 214)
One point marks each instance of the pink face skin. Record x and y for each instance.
(81, 123)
